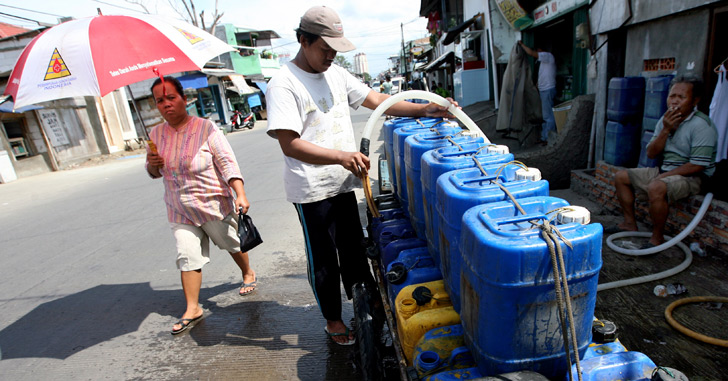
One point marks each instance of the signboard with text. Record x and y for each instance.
(53, 127)
(514, 14)
(555, 8)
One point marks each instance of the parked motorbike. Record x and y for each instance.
(240, 121)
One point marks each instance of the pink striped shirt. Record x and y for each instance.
(198, 166)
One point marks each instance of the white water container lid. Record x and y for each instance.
(532, 174)
(500, 149)
(578, 214)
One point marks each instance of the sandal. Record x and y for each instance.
(185, 323)
(253, 284)
(351, 341)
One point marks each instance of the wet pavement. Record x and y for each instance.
(91, 290)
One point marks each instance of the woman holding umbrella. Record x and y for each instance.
(200, 172)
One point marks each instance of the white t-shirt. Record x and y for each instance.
(547, 71)
(315, 106)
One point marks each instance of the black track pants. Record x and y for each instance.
(333, 235)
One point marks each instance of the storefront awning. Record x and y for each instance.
(239, 84)
(218, 72)
(439, 61)
(193, 81)
(268, 72)
(453, 33)
(262, 85)
(6, 105)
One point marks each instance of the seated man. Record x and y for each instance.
(687, 139)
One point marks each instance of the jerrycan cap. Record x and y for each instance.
(578, 214)
(604, 331)
(397, 273)
(501, 149)
(530, 173)
(422, 295)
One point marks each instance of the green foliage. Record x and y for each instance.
(343, 62)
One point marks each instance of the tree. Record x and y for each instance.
(343, 62)
(367, 77)
(186, 9)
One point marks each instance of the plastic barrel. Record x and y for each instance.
(456, 359)
(645, 161)
(656, 91)
(621, 144)
(509, 309)
(412, 266)
(414, 147)
(441, 340)
(388, 130)
(462, 189)
(419, 312)
(595, 350)
(446, 159)
(625, 97)
(390, 251)
(649, 124)
(398, 137)
(615, 366)
(385, 215)
(457, 375)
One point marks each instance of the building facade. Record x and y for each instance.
(361, 65)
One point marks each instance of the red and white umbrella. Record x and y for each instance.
(96, 55)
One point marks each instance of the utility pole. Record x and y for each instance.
(404, 56)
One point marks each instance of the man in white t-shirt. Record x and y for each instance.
(308, 112)
(546, 88)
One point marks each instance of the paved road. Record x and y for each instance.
(90, 288)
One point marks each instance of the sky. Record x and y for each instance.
(374, 26)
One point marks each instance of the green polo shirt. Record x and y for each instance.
(694, 141)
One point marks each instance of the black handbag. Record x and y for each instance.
(248, 233)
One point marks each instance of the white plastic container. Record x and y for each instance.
(7, 171)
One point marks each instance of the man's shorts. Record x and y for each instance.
(678, 187)
(193, 242)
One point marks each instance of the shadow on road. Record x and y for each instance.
(252, 329)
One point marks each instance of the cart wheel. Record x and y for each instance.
(368, 332)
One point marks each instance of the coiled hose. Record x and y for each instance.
(664, 246)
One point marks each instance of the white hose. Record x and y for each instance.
(646, 278)
(416, 94)
(664, 246)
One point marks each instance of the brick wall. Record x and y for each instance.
(712, 231)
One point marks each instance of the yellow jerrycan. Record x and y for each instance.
(420, 308)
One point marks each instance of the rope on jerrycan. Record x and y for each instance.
(551, 235)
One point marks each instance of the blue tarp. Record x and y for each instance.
(262, 85)
(254, 100)
(193, 81)
(8, 107)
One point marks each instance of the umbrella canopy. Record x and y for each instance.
(96, 55)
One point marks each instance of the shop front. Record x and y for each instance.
(562, 28)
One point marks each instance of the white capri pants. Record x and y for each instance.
(193, 242)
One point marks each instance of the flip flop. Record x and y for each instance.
(253, 284)
(185, 323)
(647, 246)
(333, 334)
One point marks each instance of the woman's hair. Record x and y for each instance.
(173, 80)
(310, 37)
